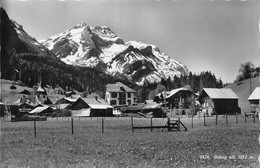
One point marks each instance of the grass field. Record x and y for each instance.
(232, 145)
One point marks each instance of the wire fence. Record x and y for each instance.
(74, 125)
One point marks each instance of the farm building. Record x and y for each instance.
(91, 107)
(119, 95)
(179, 95)
(26, 107)
(220, 101)
(147, 109)
(174, 97)
(254, 100)
(2, 109)
(42, 110)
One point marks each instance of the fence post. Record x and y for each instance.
(226, 119)
(204, 119)
(245, 117)
(132, 123)
(236, 118)
(192, 120)
(254, 117)
(151, 124)
(168, 123)
(179, 124)
(34, 125)
(216, 118)
(72, 130)
(102, 123)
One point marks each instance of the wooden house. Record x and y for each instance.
(175, 97)
(91, 107)
(254, 100)
(179, 97)
(219, 101)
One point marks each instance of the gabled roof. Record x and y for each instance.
(255, 95)
(119, 87)
(215, 93)
(149, 102)
(40, 89)
(96, 103)
(174, 91)
(67, 99)
(25, 92)
(40, 109)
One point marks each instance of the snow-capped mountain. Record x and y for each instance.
(101, 48)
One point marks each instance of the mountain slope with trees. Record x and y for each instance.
(23, 58)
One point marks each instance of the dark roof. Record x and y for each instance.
(25, 92)
(48, 101)
(119, 87)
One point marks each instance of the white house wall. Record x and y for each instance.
(109, 98)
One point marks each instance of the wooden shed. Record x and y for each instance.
(91, 107)
(220, 101)
(254, 100)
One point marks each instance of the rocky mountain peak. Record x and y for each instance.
(101, 48)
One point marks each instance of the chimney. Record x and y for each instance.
(96, 98)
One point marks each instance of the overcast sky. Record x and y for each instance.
(205, 35)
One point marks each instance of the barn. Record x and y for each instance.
(220, 101)
(91, 107)
(254, 100)
(42, 110)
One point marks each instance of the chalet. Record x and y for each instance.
(174, 97)
(220, 101)
(254, 100)
(179, 95)
(91, 107)
(119, 95)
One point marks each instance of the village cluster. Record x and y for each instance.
(120, 100)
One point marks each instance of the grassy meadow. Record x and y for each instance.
(222, 145)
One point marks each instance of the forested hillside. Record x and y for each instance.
(195, 81)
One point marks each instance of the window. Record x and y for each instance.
(122, 98)
(113, 102)
(113, 95)
(129, 95)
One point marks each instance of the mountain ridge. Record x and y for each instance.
(99, 47)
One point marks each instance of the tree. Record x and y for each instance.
(245, 71)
